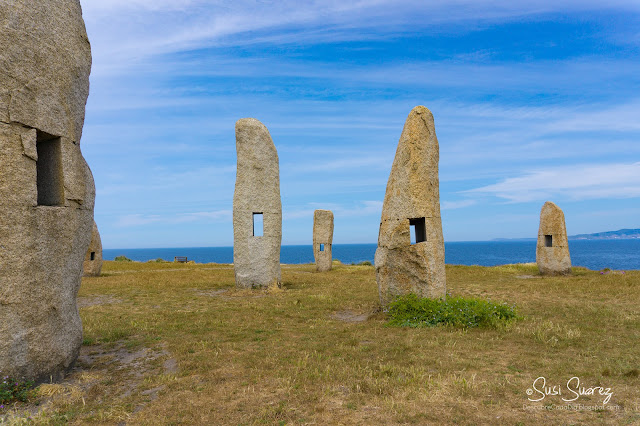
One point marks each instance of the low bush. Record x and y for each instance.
(412, 311)
(122, 259)
(12, 390)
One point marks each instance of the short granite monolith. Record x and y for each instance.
(322, 239)
(412, 204)
(92, 265)
(552, 250)
(257, 208)
(46, 190)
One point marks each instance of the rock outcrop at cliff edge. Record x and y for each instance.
(46, 188)
(552, 250)
(257, 208)
(412, 204)
(92, 265)
(322, 239)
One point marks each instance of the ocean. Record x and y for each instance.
(593, 254)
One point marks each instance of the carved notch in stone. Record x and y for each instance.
(50, 176)
(419, 230)
(258, 224)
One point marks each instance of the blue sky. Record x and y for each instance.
(533, 101)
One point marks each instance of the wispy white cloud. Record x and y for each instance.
(134, 220)
(495, 139)
(120, 6)
(137, 28)
(345, 164)
(359, 209)
(138, 220)
(452, 205)
(603, 181)
(618, 118)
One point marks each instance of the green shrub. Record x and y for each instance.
(158, 260)
(122, 259)
(12, 390)
(365, 263)
(412, 311)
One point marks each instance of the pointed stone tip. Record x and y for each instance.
(421, 109)
(550, 205)
(249, 122)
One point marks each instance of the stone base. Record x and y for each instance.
(324, 259)
(553, 260)
(407, 270)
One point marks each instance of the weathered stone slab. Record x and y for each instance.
(552, 250)
(322, 239)
(256, 204)
(92, 265)
(46, 190)
(412, 198)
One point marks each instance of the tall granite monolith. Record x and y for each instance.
(257, 209)
(552, 250)
(92, 265)
(412, 206)
(46, 190)
(322, 239)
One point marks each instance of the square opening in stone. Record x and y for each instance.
(93, 255)
(258, 224)
(418, 230)
(321, 247)
(548, 241)
(50, 178)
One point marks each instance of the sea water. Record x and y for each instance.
(593, 254)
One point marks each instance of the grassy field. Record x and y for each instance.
(172, 343)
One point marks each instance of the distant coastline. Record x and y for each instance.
(621, 234)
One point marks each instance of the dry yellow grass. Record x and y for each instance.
(178, 344)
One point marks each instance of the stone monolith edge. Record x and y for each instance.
(46, 188)
(322, 239)
(256, 205)
(412, 200)
(92, 265)
(552, 250)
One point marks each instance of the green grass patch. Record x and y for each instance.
(12, 390)
(412, 311)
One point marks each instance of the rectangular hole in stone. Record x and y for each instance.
(50, 178)
(548, 241)
(321, 247)
(418, 230)
(93, 255)
(258, 224)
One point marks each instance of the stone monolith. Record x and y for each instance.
(412, 206)
(46, 188)
(322, 239)
(552, 250)
(92, 264)
(257, 209)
